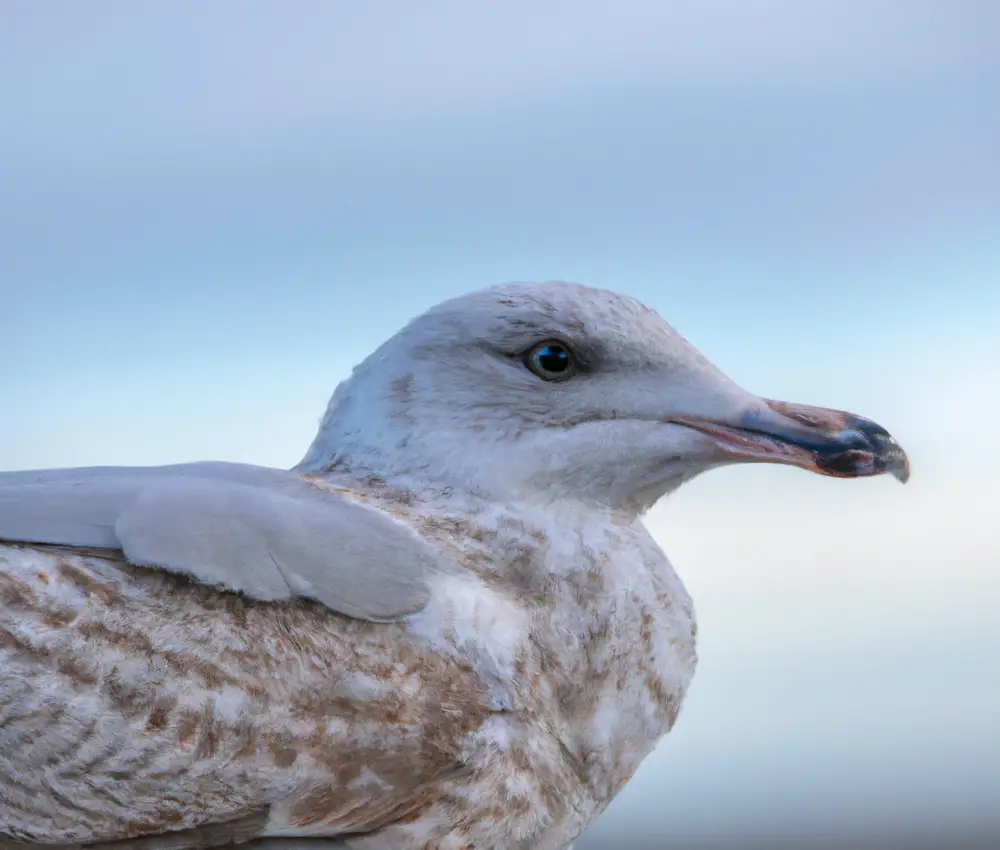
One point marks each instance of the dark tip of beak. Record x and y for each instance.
(841, 444)
(864, 445)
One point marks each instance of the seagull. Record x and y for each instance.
(446, 628)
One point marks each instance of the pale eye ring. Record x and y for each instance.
(551, 360)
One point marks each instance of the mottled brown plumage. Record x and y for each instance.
(218, 707)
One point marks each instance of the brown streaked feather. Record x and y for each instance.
(135, 703)
(201, 838)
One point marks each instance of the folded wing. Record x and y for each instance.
(265, 533)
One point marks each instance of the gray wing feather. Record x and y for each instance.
(266, 533)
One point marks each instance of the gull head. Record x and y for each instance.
(560, 391)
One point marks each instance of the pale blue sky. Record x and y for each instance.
(210, 212)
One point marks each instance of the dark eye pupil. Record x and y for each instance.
(552, 358)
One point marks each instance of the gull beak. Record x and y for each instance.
(828, 442)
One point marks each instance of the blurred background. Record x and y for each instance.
(209, 212)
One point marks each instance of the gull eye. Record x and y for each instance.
(551, 361)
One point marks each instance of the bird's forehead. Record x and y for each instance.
(516, 314)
